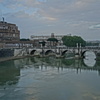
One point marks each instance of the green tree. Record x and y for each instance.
(71, 41)
(53, 40)
(23, 39)
(43, 43)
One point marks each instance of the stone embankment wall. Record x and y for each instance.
(6, 52)
(9, 54)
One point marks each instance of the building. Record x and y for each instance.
(93, 43)
(38, 39)
(9, 32)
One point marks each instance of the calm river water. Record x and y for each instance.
(50, 79)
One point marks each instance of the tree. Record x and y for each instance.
(71, 41)
(23, 39)
(43, 43)
(54, 40)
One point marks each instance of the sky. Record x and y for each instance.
(61, 17)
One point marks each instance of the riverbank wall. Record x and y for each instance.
(10, 54)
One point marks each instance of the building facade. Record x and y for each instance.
(9, 32)
(38, 39)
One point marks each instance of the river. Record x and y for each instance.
(50, 79)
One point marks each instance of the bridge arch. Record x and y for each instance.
(65, 51)
(83, 53)
(48, 51)
(32, 52)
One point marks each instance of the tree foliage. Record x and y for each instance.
(43, 43)
(23, 39)
(52, 39)
(71, 41)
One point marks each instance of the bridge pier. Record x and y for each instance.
(98, 56)
(78, 53)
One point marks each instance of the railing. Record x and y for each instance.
(14, 46)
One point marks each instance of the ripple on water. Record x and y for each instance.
(2, 94)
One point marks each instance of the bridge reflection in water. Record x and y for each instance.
(62, 63)
(50, 79)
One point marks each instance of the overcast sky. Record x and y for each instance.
(62, 17)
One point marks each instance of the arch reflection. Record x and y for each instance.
(66, 63)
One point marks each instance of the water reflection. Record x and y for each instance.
(10, 70)
(8, 73)
(61, 63)
(90, 62)
(90, 59)
(50, 79)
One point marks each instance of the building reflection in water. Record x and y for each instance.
(9, 74)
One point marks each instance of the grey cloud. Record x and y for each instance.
(61, 9)
(95, 26)
(58, 16)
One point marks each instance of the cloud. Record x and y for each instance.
(50, 9)
(32, 3)
(1, 0)
(49, 18)
(58, 16)
(95, 26)
(73, 9)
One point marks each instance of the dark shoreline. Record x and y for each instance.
(12, 58)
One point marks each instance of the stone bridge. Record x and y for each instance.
(80, 51)
(61, 51)
(47, 51)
